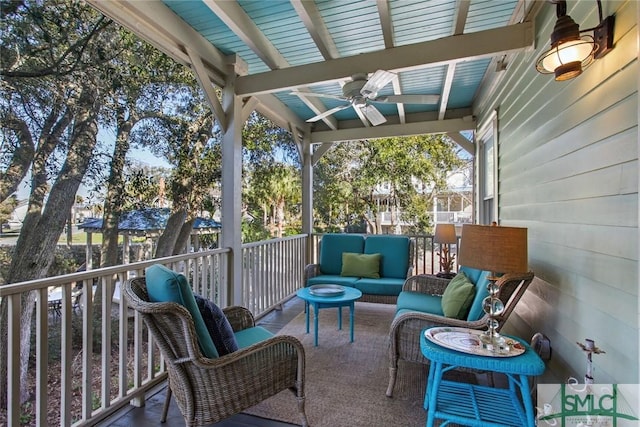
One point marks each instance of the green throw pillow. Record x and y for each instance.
(458, 296)
(361, 265)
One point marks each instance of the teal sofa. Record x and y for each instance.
(392, 252)
(420, 306)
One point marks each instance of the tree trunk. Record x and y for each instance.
(42, 227)
(21, 159)
(113, 201)
(280, 218)
(169, 237)
(183, 237)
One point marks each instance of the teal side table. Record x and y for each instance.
(477, 405)
(319, 302)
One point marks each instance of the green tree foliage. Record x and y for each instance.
(54, 71)
(149, 91)
(272, 191)
(354, 182)
(144, 186)
(264, 142)
(198, 158)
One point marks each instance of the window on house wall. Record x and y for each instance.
(488, 180)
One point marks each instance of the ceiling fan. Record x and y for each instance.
(361, 92)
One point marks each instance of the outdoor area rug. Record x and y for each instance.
(346, 382)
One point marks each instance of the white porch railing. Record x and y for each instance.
(272, 271)
(92, 359)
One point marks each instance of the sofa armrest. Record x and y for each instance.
(311, 270)
(426, 284)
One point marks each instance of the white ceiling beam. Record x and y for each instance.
(205, 83)
(459, 21)
(446, 90)
(312, 20)
(465, 47)
(385, 23)
(319, 152)
(462, 11)
(273, 108)
(243, 26)
(398, 90)
(388, 131)
(297, 139)
(389, 41)
(158, 25)
(463, 142)
(249, 105)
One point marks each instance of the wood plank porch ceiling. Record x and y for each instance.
(448, 48)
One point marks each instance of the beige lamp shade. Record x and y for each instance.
(494, 248)
(445, 233)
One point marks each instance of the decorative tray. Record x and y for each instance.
(468, 341)
(326, 290)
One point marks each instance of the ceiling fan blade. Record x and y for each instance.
(327, 113)
(373, 115)
(377, 81)
(409, 99)
(319, 95)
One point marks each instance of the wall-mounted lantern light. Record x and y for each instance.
(571, 52)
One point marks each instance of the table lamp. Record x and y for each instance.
(499, 250)
(445, 235)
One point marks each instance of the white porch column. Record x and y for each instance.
(232, 187)
(307, 187)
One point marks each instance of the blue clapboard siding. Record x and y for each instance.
(568, 171)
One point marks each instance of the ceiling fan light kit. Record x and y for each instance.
(361, 91)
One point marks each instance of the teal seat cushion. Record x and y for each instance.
(250, 336)
(327, 279)
(166, 285)
(394, 251)
(476, 311)
(458, 296)
(418, 301)
(382, 286)
(331, 248)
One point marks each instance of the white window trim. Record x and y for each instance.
(487, 129)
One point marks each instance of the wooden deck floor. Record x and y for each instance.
(149, 415)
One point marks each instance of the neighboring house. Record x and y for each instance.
(454, 205)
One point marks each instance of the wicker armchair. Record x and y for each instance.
(209, 390)
(404, 337)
